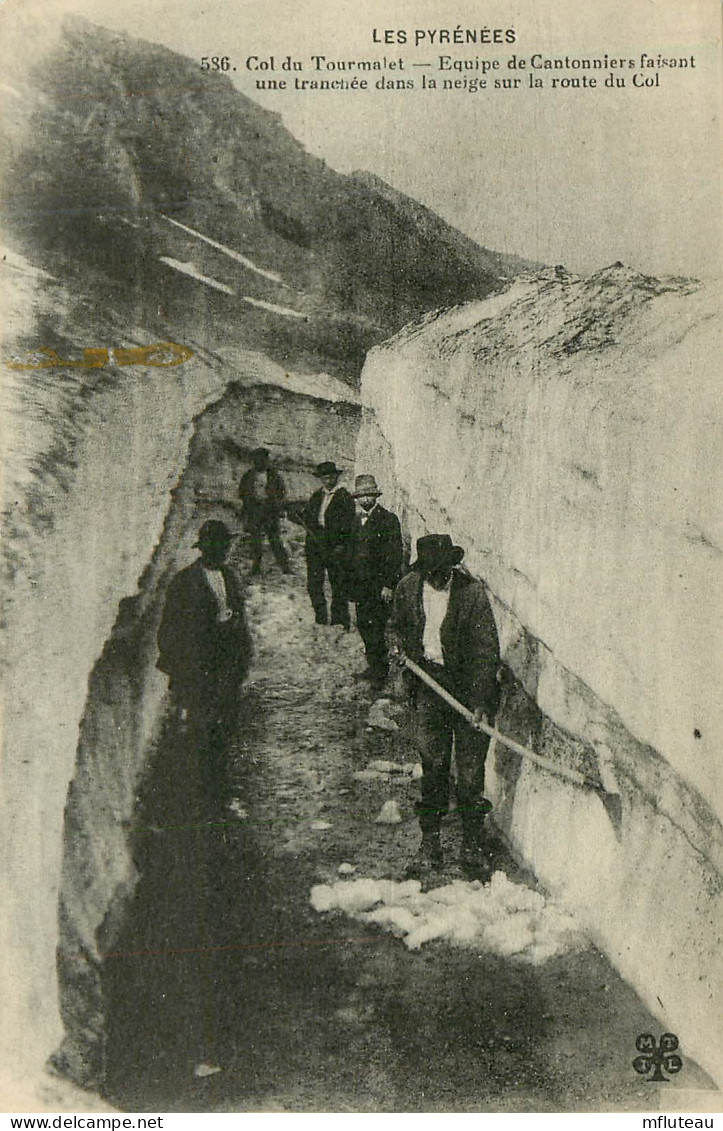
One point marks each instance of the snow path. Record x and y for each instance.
(191, 269)
(321, 731)
(311, 1012)
(229, 251)
(257, 368)
(287, 310)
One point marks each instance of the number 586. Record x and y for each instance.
(215, 63)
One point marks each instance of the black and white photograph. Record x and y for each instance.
(362, 558)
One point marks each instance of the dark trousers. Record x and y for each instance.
(371, 620)
(256, 528)
(321, 563)
(435, 725)
(212, 709)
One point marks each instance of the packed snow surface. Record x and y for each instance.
(257, 369)
(505, 918)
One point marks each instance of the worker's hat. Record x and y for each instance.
(327, 468)
(437, 551)
(213, 533)
(365, 485)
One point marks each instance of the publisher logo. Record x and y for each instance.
(654, 1057)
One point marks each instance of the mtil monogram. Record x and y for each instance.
(656, 1057)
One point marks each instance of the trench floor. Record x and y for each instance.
(223, 962)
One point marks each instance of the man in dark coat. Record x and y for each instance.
(442, 619)
(205, 648)
(375, 568)
(329, 518)
(263, 496)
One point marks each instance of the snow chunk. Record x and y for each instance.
(397, 919)
(371, 775)
(382, 770)
(361, 894)
(432, 927)
(510, 935)
(389, 814)
(203, 1070)
(378, 717)
(502, 917)
(322, 897)
(384, 767)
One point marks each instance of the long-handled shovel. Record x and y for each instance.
(611, 799)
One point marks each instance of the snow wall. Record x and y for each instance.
(567, 433)
(108, 476)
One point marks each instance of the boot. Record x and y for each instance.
(428, 859)
(474, 858)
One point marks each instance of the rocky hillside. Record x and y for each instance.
(114, 148)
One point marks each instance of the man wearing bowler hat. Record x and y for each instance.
(442, 619)
(329, 517)
(204, 646)
(374, 569)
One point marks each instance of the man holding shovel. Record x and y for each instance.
(442, 620)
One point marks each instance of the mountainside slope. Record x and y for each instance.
(112, 139)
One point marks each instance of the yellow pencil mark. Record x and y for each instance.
(160, 355)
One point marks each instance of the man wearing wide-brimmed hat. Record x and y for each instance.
(328, 517)
(204, 646)
(442, 619)
(374, 569)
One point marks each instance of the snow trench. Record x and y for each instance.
(87, 700)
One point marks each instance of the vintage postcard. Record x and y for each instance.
(362, 543)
